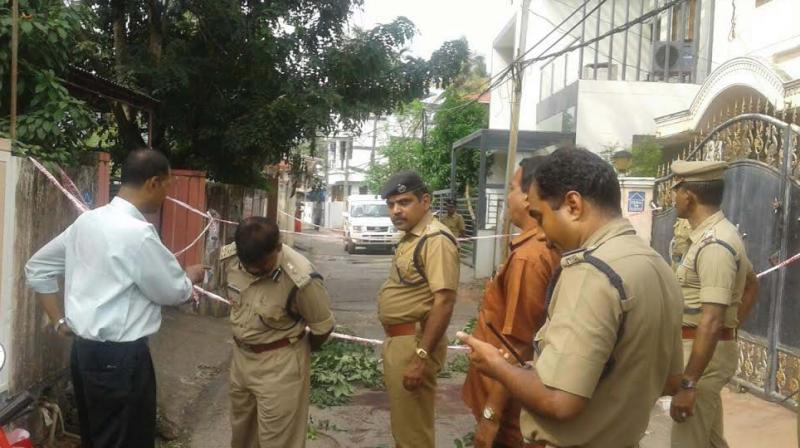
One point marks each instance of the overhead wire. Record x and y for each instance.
(501, 76)
(611, 32)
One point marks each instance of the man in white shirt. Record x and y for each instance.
(117, 276)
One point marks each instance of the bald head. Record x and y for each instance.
(143, 164)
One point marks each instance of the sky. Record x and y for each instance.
(438, 21)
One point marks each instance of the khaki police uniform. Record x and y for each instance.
(455, 223)
(270, 382)
(614, 345)
(405, 299)
(680, 241)
(713, 270)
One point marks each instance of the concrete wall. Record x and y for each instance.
(333, 214)
(768, 31)
(34, 213)
(505, 50)
(612, 112)
(7, 190)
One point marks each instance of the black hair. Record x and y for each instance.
(143, 164)
(529, 166)
(256, 237)
(572, 168)
(707, 192)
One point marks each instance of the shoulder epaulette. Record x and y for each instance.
(227, 251)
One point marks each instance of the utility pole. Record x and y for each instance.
(14, 55)
(348, 145)
(517, 77)
(374, 142)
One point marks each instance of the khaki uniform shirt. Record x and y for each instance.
(581, 334)
(680, 241)
(455, 223)
(710, 273)
(259, 314)
(400, 302)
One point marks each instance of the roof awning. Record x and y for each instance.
(528, 141)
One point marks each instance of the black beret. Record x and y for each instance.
(402, 182)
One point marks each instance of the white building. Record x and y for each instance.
(755, 58)
(348, 154)
(612, 90)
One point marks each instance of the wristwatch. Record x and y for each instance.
(421, 353)
(59, 323)
(489, 414)
(687, 384)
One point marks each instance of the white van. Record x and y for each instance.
(367, 224)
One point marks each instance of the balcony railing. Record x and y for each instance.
(665, 48)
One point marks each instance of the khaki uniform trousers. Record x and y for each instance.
(412, 413)
(704, 428)
(269, 397)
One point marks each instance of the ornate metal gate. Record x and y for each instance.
(762, 197)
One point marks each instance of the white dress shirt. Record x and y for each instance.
(117, 274)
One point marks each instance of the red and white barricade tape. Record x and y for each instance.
(74, 197)
(784, 263)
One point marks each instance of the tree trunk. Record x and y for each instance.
(120, 38)
(129, 133)
(156, 30)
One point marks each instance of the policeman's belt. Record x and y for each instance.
(404, 329)
(726, 334)
(261, 348)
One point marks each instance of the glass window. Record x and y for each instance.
(370, 211)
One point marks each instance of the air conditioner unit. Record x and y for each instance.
(681, 58)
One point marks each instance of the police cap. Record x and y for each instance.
(698, 171)
(402, 182)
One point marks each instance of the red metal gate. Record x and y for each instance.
(179, 227)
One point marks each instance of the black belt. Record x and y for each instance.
(91, 342)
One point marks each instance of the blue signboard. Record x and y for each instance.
(636, 201)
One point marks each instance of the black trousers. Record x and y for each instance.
(115, 387)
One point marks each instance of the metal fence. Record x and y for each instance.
(762, 196)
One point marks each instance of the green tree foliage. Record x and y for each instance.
(53, 124)
(647, 156)
(243, 82)
(240, 82)
(457, 117)
(404, 151)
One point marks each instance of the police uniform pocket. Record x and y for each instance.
(406, 270)
(680, 274)
(273, 315)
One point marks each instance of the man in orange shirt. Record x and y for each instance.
(514, 302)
